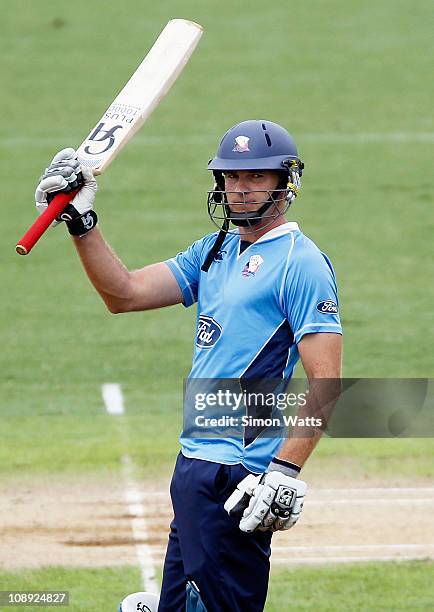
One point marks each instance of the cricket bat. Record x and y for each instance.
(127, 113)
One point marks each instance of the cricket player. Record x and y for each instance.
(266, 297)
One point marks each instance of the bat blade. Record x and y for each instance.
(141, 95)
(127, 113)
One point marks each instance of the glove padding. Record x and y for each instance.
(139, 601)
(65, 174)
(272, 501)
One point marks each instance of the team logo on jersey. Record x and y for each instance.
(252, 266)
(208, 332)
(327, 307)
(219, 256)
(241, 144)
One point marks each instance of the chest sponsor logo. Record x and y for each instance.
(252, 266)
(208, 332)
(327, 307)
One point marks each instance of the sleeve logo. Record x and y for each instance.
(327, 307)
(208, 332)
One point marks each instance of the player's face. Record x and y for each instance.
(247, 190)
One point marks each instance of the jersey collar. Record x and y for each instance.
(280, 230)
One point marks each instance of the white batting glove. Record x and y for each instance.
(65, 174)
(271, 501)
(139, 601)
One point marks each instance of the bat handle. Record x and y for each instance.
(31, 237)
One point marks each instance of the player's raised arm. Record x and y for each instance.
(153, 286)
(127, 113)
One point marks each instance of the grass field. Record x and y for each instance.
(353, 83)
(403, 586)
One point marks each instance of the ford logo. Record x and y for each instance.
(327, 307)
(208, 332)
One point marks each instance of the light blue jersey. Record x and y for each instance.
(253, 309)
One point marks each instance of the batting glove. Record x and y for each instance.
(139, 601)
(65, 174)
(272, 501)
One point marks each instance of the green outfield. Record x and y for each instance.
(352, 81)
(403, 586)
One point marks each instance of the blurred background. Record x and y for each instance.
(352, 82)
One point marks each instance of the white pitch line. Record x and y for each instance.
(361, 491)
(324, 560)
(381, 490)
(365, 137)
(139, 528)
(313, 137)
(355, 547)
(113, 398)
(345, 559)
(114, 403)
(314, 501)
(378, 502)
(336, 548)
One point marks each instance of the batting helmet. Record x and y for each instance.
(254, 145)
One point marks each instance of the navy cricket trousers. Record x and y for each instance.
(230, 567)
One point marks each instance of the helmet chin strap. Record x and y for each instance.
(246, 219)
(216, 246)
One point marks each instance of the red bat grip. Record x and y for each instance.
(31, 237)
